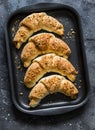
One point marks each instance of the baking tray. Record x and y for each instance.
(55, 103)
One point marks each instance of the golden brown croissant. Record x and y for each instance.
(41, 44)
(49, 85)
(48, 63)
(34, 23)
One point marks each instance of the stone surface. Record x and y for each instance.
(82, 119)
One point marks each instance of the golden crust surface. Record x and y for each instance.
(33, 74)
(21, 36)
(49, 63)
(34, 23)
(43, 43)
(49, 85)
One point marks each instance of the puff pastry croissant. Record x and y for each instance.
(34, 23)
(41, 44)
(49, 85)
(48, 63)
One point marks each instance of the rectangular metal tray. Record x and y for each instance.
(55, 103)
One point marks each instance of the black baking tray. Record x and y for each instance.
(55, 103)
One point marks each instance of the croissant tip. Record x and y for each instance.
(17, 45)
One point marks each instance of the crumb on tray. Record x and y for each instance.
(21, 82)
(21, 93)
(19, 67)
(79, 87)
(13, 29)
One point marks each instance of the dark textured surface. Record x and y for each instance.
(82, 119)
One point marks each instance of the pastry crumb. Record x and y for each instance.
(79, 87)
(66, 37)
(15, 57)
(19, 67)
(13, 29)
(71, 29)
(80, 81)
(21, 82)
(73, 32)
(75, 83)
(21, 93)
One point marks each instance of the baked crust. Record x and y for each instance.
(34, 23)
(49, 63)
(49, 85)
(41, 44)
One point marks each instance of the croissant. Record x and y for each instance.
(48, 63)
(34, 23)
(41, 44)
(49, 85)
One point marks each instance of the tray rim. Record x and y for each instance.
(54, 110)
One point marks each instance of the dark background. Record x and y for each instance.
(81, 119)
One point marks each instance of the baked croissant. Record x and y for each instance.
(41, 44)
(48, 63)
(34, 23)
(49, 85)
